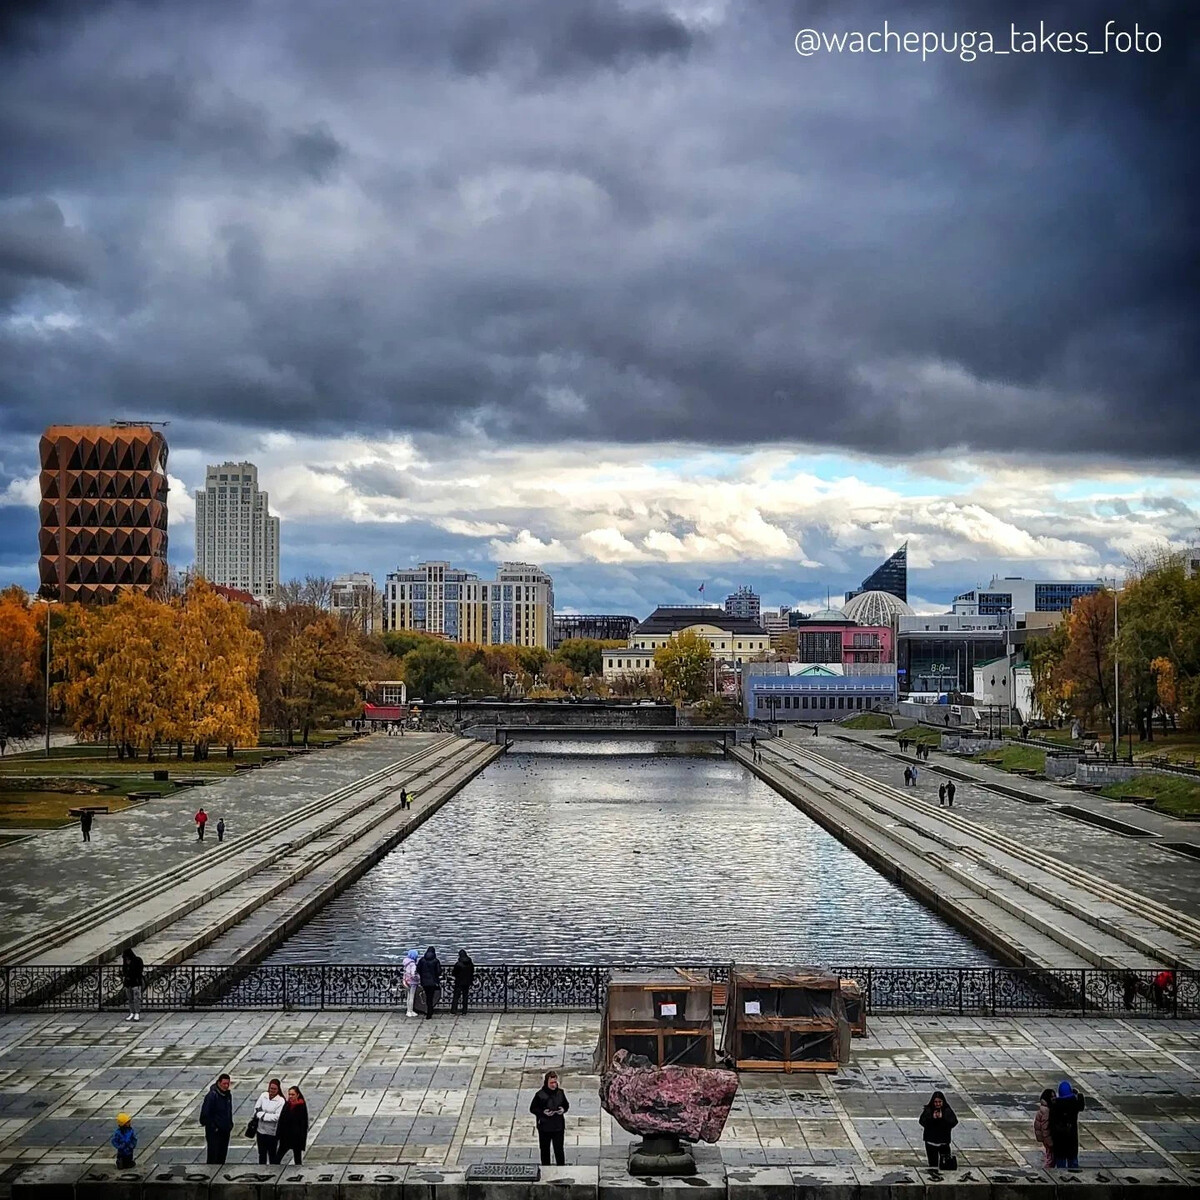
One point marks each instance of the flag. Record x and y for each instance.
(700, 588)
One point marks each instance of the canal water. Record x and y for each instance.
(593, 852)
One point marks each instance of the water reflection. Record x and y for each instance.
(610, 852)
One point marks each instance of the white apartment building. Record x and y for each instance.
(356, 597)
(516, 608)
(237, 539)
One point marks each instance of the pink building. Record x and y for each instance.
(829, 637)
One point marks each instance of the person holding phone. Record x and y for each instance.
(548, 1106)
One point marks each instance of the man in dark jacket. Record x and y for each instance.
(1064, 1126)
(216, 1115)
(463, 972)
(133, 977)
(429, 975)
(85, 824)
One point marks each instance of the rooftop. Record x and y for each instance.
(671, 618)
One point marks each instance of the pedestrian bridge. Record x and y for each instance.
(726, 735)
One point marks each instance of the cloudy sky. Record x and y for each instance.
(631, 290)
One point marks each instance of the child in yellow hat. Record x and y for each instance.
(124, 1141)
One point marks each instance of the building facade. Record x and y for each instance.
(940, 653)
(814, 692)
(1020, 596)
(745, 602)
(356, 598)
(603, 627)
(775, 622)
(733, 640)
(103, 511)
(890, 576)
(237, 539)
(517, 608)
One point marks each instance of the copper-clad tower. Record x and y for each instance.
(103, 511)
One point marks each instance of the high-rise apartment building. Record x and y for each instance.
(103, 511)
(745, 602)
(237, 539)
(356, 597)
(517, 608)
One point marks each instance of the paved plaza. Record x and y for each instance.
(383, 1088)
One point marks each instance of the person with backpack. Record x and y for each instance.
(133, 975)
(937, 1120)
(429, 973)
(1064, 1126)
(410, 981)
(463, 974)
(1041, 1128)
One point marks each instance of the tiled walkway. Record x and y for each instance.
(383, 1088)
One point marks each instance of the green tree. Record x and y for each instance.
(583, 655)
(431, 670)
(685, 664)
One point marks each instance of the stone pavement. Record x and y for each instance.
(50, 877)
(1136, 863)
(383, 1088)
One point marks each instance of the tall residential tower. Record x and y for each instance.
(237, 539)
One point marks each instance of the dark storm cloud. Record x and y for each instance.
(551, 221)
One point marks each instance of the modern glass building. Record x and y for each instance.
(890, 576)
(1013, 594)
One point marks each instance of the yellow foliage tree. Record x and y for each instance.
(22, 649)
(685, 664)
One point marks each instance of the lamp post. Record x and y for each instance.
(1116, 679)
(47, 713)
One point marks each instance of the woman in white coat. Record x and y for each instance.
(267, 1109)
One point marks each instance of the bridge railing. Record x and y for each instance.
(540, 987)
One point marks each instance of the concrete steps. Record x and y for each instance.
(206, 923)
(99, 935)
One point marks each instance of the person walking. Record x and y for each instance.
(201, 821)
(463, 974)
(85, 824)
(942, 795)
(216, 1115)
(1064, 1126)
(950, 792)
(293, 1126)
(937, 1121)
(915, 771)
(1041, 1128)
(429, 973)
(266, 1114)
(124, 1141)
(404, 798)
(220, 829)
(548, 1107)
(411, 982)
(133, 977)
(908, 776)
(753, 748)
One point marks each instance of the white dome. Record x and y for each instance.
(876, 608)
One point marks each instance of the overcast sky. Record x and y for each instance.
(633, 291)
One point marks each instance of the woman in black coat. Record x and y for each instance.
(548, 1107)
(292, 1132)
(937, 1120)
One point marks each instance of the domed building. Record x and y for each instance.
(877, 608)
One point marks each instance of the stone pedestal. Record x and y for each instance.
(661, 1154)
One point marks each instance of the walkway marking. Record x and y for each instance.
(1120, 1116)
(1183, 1064)
(844, 1119)
(468, 1107)
(192, 1113)
(987, 1121)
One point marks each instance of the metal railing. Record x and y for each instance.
(536, 987)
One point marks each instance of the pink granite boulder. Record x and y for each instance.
(688, 1102)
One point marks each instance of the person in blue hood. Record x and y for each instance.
(1064, 1126)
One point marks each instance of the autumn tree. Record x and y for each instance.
(1051, 688)
(431, 670)
(1087, 663)
(685, 663)
(22, 659)
(214, 674)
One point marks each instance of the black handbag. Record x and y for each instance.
(946, 1160)
(252, 1126)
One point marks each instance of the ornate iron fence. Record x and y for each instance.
(537, 987)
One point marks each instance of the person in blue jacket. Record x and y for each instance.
(216, 1115)
(124, 1141)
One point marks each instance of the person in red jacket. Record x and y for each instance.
(201, 821)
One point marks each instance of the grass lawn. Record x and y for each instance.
(1014, 757)
(1172, 793)
(42, 810)
(867, 721)
(919, 735)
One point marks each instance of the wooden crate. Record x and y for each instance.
(856, 1007)
(665, 1015)
(785, 1019)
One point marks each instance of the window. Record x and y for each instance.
(803, 701)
